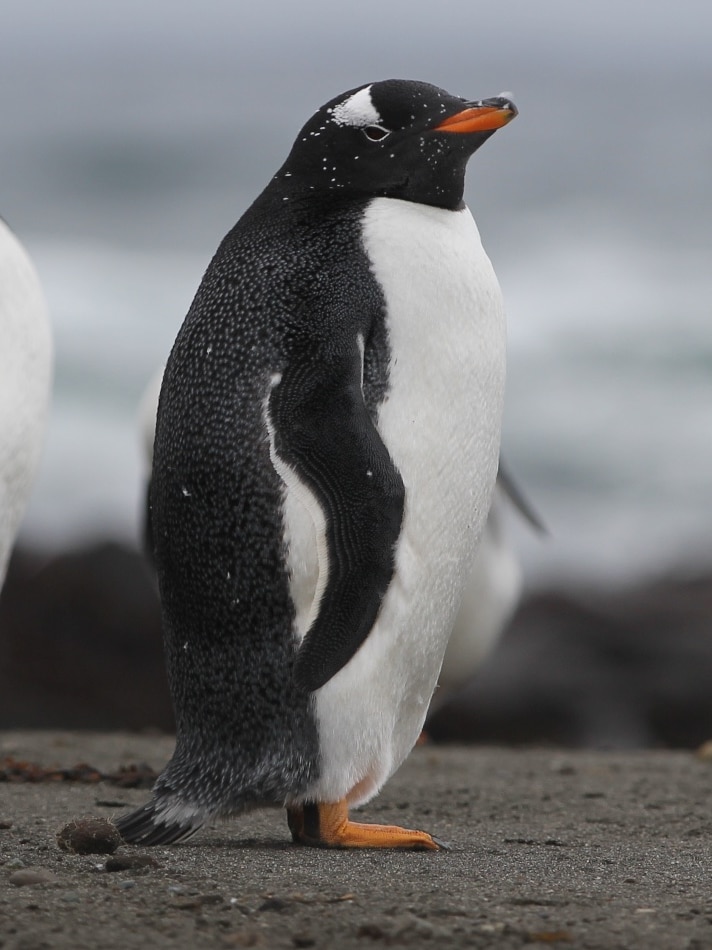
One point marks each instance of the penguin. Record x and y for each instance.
(25, 383)
(491, 596)
(326, 448)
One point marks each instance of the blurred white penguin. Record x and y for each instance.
(491, 597)
(25, 382)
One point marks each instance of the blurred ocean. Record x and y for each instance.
(130, 146)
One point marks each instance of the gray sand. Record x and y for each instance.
(550, 847)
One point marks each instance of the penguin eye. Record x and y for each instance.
(375, 133)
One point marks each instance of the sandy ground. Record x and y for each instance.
(549, 847)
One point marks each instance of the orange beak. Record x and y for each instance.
(486, 116)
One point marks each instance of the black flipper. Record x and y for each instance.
(147, 532)
(518, 499)
(323, 431)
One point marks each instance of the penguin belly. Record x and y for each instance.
(440, 421)
(25, 383)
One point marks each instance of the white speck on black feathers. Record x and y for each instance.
(289, 292)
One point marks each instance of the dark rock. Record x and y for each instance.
(623, 669)
(81, 643)
(81, 647)
(135, 775)
(275, 904)
(89, 836)
(371, 931)
(16, 771)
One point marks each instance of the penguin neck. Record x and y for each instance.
(288, 190)
(275, 204)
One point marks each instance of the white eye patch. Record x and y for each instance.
(358, 110)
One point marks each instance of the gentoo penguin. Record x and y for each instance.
(325, 452)
(25, 381)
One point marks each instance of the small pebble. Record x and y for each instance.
(243, 938)
(372, 931)
(30, 876)
(127, 885)
(705, 751)
(15, 863)
(89, 836)
(274, 903)
(303, 940)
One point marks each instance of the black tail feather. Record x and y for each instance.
(159, 823)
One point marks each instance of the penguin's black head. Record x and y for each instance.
(395, 139)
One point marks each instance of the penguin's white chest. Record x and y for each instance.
(25, 380)
(440, 422)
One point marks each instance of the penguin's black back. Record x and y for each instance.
(283, 277)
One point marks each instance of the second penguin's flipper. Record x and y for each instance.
(324, 437)
(519, 500)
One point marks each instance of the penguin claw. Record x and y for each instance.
(442, 845)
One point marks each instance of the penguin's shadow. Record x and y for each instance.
(285, 846)
(242, 844)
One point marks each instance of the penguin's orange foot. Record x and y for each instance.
(327, 826)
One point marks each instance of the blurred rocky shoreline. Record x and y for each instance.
(80, 648)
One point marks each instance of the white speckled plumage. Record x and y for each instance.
(358, 110)
(25, 380)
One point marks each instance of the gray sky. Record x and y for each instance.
(120, 119)
(135, 126)
(568, 28)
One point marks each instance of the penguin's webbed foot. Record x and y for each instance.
(327, 825)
